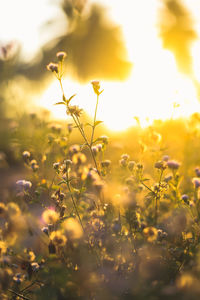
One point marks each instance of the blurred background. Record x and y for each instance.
(145, 53)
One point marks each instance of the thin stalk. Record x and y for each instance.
(19, 295)
(157, 198)
(73, 201)
(77, 122)
(95, 116)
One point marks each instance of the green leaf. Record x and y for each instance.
(88, 124)
(97, 123)
(71, 98)
(145, 179)
(59, 103)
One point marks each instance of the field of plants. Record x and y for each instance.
(90, 214)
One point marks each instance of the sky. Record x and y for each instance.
(155, 83)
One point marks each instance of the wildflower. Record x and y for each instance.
(197, 171)
(99, 147)
(24, 184)
(30, 255)
(61, 196)
(125, 156)
(162, 234)
(139, 166)
(26, 154)
(173, 164)
(78, 158)
(131, 165)
(18, 278)
(160, 165)
(70, 127)
(106, 163)
(50, 216)
(129, 181)
(104, 139)
(96, 86)
(196, 182)
(74, 149)
(185, 198)
(56, 128)
(62, 210)
(61, 55)
(73, 229)
(151, 233)
(35, 266)
(165, 158)
(68, 163)
(168, 178)
(45, 230)
(56, 166)
(95, 150)
(123, 163)
(58, 238)
(52, 67)
(74, 110)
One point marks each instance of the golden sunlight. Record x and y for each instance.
(155, 89)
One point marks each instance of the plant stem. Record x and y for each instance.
(95, 116)
(73, 201)
(19, 295)
(77, 122)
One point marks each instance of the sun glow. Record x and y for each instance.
(155, 89)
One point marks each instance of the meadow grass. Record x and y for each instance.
(88, 214)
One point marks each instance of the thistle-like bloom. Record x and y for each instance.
(24, 184)
(173, 164)
(61, 55)
(52, 67)
(196, 182)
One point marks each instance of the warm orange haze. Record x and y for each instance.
(168, 92)
(99, 149)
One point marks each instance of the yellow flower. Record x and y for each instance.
(50, 216)
(58, 238)
(151, 233)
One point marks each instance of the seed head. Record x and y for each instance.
(61, 55)
(52, 67)
(131, 165)
(196, 182)
(173, 164)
